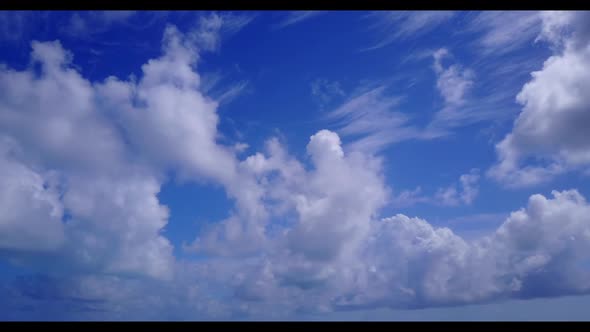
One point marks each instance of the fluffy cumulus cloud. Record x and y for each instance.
(335, 253)
(404, 262)
(84, 162)
(539, 250)
(106, 147)
(549, 136)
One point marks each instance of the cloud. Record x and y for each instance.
(547, 241)
(450, 196)
(406, 198)
(233, 92)
(115, 217)
(32, 210)
(403, 262)
(454, 84)
(207, 35)
(87, 160)
(85, 24)
(395, 25)
(447, 196)
(342, 257)
(233, 23)
(108, 145)
(213, 27)
(550, 130)
(434, 266)
(371, 116)
(295, 17)
(289, 191)
(502, 32)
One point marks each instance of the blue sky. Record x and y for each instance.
(294, 165)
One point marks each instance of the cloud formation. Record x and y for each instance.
(551, 130)
(372, 119)
(395, 25)
(298, 16)
(503, 32)
(86, 161)
(107, 145)
(468, 192)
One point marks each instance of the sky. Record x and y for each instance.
(306, 165)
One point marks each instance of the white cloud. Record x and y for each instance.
(86, 24)
(299, 239)
(32, 211)
(338, 255)
(295, 17)
(468, 191)
(409, 263)
(547, 241)
(233, 92)
(407, 198)
(562, 27)
(61, 137)
(115, 216)
(371, 116)
(405, 262)
(395, 25)
(314, 199)
(109, 145)
(551, 129)
(208, 33)
(232, 23)
(452, 195)
(503, 31)
(453, 82)
(333, 208)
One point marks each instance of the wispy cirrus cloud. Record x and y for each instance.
(372, 119)
(501, 32)
(223, 88)
(395, 25)
(213, 27)
(295, 17)
(233, 92)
